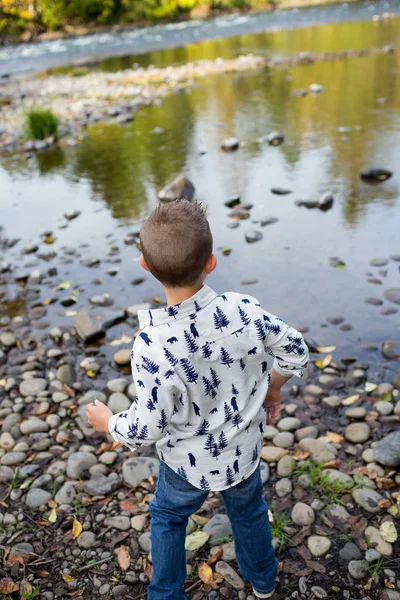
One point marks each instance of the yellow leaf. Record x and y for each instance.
(226, 251)
(321, 364)
(393, 510)
(331, 436)
(388, 532)
(350, 400)
(49, 239)
(325, 349)
(76, 529)
(124, 558)
(90, 373)
(196, 540)
(53, 515)
(205, 573)
(370, 387)
(68, 578)
(199, 519)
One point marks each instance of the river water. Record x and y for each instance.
(114, 174)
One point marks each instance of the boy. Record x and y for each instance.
(205, 388)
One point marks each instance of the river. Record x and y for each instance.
(114, 174)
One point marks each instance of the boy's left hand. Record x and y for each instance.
(98, 415)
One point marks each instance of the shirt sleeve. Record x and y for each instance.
(148, 418)
(286, 345)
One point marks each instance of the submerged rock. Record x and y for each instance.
(280, 191)
(391, 350)
(393, 295)
(253, 236)
(375, 175)
(93, 321)
(180, 188)
(230, 144)
(275, 138)
(326, 201)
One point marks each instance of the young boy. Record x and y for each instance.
(208, 371)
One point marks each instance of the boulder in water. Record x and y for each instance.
(178, 189)
(375, 175)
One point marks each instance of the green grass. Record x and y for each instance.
(41, 123)
(328, 491)
(30, 594)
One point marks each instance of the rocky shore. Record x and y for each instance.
(91, 97)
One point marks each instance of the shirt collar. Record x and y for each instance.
(188, 308)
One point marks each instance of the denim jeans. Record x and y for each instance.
(175, 500)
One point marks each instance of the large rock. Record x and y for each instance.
(136, 470)
(302, 514)
(334, 476)
(387, 451)
(100, 485)
(93, 321)
(37, 497)
(178, 189)
(32, 387)
(358, 433)
(368, 499)
(219, 528)
(320, 451)
(229, 575)
(78, 462)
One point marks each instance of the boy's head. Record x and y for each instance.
(177, 244)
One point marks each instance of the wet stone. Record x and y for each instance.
(253, 236)
(6, 474)
(284, 487)
(373, 301)
(123, 357)
(8, 339)
(378, 262)
(358, 433)
(13, 458)
(384, 408)
(230, 144)
(391, 350)
(275, 138)
(356, 412)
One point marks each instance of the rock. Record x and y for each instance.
(86, 539)
(8, 339)
(349, 552)
(302, 514)
(310, 432)
(335, 320)
(378, 262)
(118, 402)
(337, 513)
(66, 494)
(118, 522)
(393, 295)
(275, 138)
(289, 424)
(120, 591)
(37, 497)
(284, 487)
(239, 213)
(229, 575)
(228, 552)
(253, 236)
(314, 390)
(265, 472)
(318, 545)
(136, 470)
(388, 310)
(34, 425)
(368, 499)
(232, 202)
(326, 201)
(100, 485)
(387, 450)
(90, 396)
(368, 455)
(6, 441)
(272, 453)
(70, 216)
(133, 311)
(373, 301)
(358, 433)
(316, 88)
(108, 458)
(145, 542)
(230, 144)
(375, 175)
(319, 592)
(286, 466)
(219, 528)
(268, 221)
(32, 387)
(320, 451)
(79, 462)
(6, 474)
(93, 321)
(139, 522)
(66, 374)
(281, 191)
(13, 458)
(375, 540)
(117, 385)
(384, 408)
(270, 432)
(383, 389)
(317, 504)
(333, 476)
(331, 401)
(390, 595)
(372, 555)
(284, 439)
(123, 357)
(355, 412)
(358, 569)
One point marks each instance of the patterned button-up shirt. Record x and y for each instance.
(201, 370)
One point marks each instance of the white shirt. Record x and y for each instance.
(201, 370)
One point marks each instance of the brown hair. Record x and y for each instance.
(176, 241)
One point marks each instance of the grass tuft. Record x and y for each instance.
(41, 123)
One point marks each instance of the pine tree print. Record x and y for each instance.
(237, 420)
(228, 412)
(163, 421)
(226, 358)
(261, 428)
(207, 386)
(215, 452)
(133, 429)
(222, 441)
(206, 350)
(235, 391)
(189, 370)
(260, 329)
(150, 405)
(255, 455)
(144, 433)
(264, 366)
(170, 357)
(203, 430)
(197, 308)
(210, 441)
(191, 344)
(242, 365)
(151, 318)
(172, 311)
(204, 485)
(196, 409)
(243, 317)
(169, 374)
(236, 467)
(275, 328)
(238, 451)
(194, 331)
(149, 365)
(214, 378)
(229, 476)
(182, 473)
(234, 405)
(220, 319)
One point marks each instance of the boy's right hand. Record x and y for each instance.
(273, 405)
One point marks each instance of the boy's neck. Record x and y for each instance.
(178, 295)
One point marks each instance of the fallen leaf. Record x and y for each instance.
(148, 570)
(68, 578)
(321, 364)
(124, 558)
(331, 436)
(52, 503)
(350, 400)
(291, 567)
(301, 455)
(317, 567)
(226, 251)
(90, 373)
(304, 552)
(64, 285)
(389, 584)
(216, 556)
(372, 416)
(42, 574)
(393, 510)
(7, 586)
(199, 519)
(331, 464)
(384, 503)
(53, 515)
(325, 349)
(26, 484)
(384, 483)
(388, 532)
(49, 239)
(129, 506)
(76, 529)
(205, 573)
(370, 387)
(123, 340)
(196, 540)
(25, 588)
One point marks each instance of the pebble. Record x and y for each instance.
(99, 484)
(372, 555)
(286, 465)
(319, 592)
(86, 539)
(284, 487)
(358, 569)
(78, 462)
(8, 339)
(66, 374)
(289, 424)
(358, 433)
(270, 432)
(302, 514)
(253, 236)
(230, 144)
(139, 522)
(393, 295)
(320, 451)
(368, 499)
(376, 541)
(349, 552)
(333, 476)
(311, 432)
(387, 450)
(133, 311)
(145, 542)
(120, 591)
(123, 357)
(118, 402)
(117, 385)
(331, 401)
(318, 545)
(272, 453)
(356, 412)
(34, 425)
(6, 474)
(118, 522)
(229, 575)
(219, 528)
(66, 494)
(136, 470)
(13, 458)
(284, 439)
(336, 512)
(368, 455)
(6, 441)
(37, 497)
(384, 408)
(32, 387)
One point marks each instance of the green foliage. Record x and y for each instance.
(41, 123)
(54, 13)
(30, 593)
(328, 491)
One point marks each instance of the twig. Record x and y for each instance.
(193, 586)
(95, 564)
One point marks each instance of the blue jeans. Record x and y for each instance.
(175, 500)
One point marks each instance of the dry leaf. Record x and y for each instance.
(49, 239)
(76, 529)
(393, 510)
(350, 400)
(370, 387)
(385, 483)
(216, 556)
(124, 558)
(148, 570)
(384, 503)
(42, 573)
(331, 464)
(7, 586)
(199, 519)
(52, 516)
(321, 364)
(325, 349)
(68, 578)
(388, 532)
(206, 574)
(196, 540)
(25, 588)
(389, 585)
(300, 455)
(331, 436)
(52, 503)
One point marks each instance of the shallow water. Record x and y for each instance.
(113, 177)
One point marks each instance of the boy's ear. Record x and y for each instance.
(211, 263)
(143, 263)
